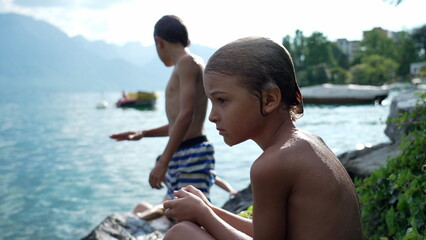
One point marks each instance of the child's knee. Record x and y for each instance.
(142, 206)
(180, 230)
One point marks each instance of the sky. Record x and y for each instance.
(214, 23)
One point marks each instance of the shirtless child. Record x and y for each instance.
(300, 189)
(186, 106)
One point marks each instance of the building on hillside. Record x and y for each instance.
(416, 67)
(387, 33)
(348, 47)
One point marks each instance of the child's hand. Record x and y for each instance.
(186, 206)
(157, 175)
(197, 193)
(131, 136)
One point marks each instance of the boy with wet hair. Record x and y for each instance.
(300, 189)
(188, 158)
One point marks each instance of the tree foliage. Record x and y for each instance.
(373, 70)
(419, 37)
(382, 57)
(406, 53)
(315, 58)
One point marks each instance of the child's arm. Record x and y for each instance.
(242, 224)
(137, 135)
(224, 185)
(161, 131)
(271, 185)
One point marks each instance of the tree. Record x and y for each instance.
(406, 53)
(339, 75)
(419, 37)
(317, 74)
(296, 48)
(376, 42)
(318, 50)
(373, 70)
(341, 58)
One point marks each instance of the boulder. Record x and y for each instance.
(361, 163)
(401, 104)
(124, 226)
(240, 202)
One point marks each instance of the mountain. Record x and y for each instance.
(37, 55)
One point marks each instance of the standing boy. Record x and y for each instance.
(188, 157)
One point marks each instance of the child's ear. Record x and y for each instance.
(159, 42)
(271, 99)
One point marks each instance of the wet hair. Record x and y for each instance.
(259, 64)
(171, 29)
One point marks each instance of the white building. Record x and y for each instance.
(348, 47)
(415, 68)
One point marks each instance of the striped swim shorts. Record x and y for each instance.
(192, 164)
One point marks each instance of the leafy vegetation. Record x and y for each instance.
(247, 213)
(393, 199)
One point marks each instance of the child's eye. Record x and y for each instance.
(221, 100)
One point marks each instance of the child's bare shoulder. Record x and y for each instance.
(294, 154)
(190, 60)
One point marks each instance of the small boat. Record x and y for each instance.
(344, 94)
(139, 100)
(102, 105)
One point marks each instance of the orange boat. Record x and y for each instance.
(139, 100)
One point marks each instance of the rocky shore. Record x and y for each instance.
(359, 163)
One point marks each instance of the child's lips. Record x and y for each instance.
(220, 130)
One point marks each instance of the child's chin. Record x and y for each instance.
(230, 142)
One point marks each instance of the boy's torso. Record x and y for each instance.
(174, 95)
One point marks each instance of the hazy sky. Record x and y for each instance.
(216, 22)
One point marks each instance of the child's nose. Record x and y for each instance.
(212, 116)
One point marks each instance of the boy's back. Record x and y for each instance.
(308, 182)
(185, 93)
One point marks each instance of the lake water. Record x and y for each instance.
(60, 174)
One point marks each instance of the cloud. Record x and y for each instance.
(90, 4)
(217, 22)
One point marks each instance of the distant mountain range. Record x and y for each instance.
(35, 55)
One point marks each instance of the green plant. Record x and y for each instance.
(247, 213)
(393, 199)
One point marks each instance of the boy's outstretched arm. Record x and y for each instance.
(137, 135)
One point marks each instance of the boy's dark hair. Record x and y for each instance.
(260, 63)
(171, 29)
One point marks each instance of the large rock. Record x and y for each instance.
(361, 163)
(401, 104)
(124, 226)
(239, 202)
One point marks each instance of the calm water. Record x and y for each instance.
(60, 174)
